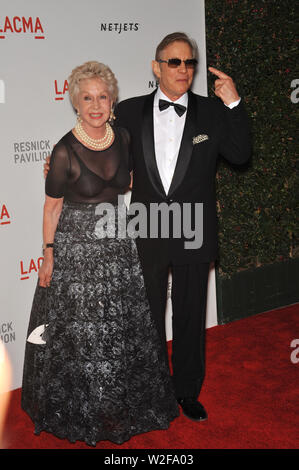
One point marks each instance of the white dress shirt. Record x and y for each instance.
(168, 132)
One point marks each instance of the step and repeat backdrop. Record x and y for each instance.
(40, 44)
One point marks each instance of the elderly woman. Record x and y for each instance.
(98, 371)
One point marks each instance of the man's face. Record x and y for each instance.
(174, 82)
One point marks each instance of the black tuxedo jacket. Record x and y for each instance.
(211, 129)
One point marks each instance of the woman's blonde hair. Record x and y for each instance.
(92, 69)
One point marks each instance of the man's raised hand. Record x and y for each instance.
(224, 87)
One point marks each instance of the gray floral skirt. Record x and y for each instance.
(99, 371)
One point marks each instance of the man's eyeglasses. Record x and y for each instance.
(174, 63)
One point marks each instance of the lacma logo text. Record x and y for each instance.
(29, 267)
(60, 90)
(4, 215)
(21, 25)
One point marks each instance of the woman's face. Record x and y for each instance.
(94, 105)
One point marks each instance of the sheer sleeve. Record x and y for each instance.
(127, 141)
(58, 173)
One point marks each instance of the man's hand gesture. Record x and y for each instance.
(224, 87)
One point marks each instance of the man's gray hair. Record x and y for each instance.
(173, 37)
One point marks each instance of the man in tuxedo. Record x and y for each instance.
(174, 151)
(176, 138)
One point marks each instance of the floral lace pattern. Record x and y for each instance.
(102, 373)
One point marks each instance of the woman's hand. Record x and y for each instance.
(46, 166)
(131, 182)
(46, 269)
(52, 210)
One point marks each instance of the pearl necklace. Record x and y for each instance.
(96, 144)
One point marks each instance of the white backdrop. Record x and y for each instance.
(40, 43)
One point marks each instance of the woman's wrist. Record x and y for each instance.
(48, 253)
(48, 245)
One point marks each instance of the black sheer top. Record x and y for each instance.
(82, 175)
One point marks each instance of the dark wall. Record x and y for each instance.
(255, 43)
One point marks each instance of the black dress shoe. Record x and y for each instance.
(192, 409)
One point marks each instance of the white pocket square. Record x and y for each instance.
(200, 138)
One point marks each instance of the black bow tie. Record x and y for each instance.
(179, 108)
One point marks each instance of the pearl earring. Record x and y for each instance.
(112, 116)
(79, 119)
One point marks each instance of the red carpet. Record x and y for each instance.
(251, 393)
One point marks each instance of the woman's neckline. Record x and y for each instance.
(88, 148)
